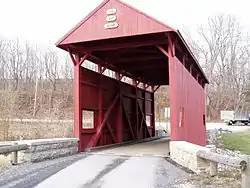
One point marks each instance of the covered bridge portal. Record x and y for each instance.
(120, 38)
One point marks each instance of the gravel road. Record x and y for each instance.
(109, 171)
(94, 171)
(28, 175)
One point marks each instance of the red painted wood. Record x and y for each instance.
(90, 84)
(77, 100)
(186, 92)
(128, 121)
(95, 138)
(131, 22)
(131, 44)
(119, 123)
(100, 108)
(96, 92)
(153, 114)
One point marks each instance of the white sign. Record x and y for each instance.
(111, 18)
(181, 116)
(226, 115)
(111, 25)
(111, 11)
(167, 112)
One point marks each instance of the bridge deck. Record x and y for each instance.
(157, 148)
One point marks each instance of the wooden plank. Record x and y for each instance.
(13, 148)
(129, 123)
(95, 138)
(235, 162)
(143, 119)
(111, 133)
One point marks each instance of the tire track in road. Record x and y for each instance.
(96, 183)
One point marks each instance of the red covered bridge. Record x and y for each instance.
(120, 38)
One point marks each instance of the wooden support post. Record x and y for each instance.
(137, 134)
(245, 174)
(153, 113)
(14, 155)
(119, 125)
(128, 121)
(184, 59)
(213, 166)
(145, 112)
(77, 102)
(100, 107)
(78, 97)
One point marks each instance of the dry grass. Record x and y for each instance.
(4, 162)
(35, 130)
(221, 181)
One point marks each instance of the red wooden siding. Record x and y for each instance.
(131, 22)
(91, 84)
(186, 92)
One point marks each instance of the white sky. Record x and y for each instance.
(45, 21)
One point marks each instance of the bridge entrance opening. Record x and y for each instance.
(118, 66)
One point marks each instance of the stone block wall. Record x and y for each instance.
(185, 154)
(42, 149)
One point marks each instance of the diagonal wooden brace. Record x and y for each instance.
(74, 60)
(143, 119)
(155, 89)
(95, 138)
(129, 123)
(163, 51)
(111, 133)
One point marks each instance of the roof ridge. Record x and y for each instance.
(147, 15)
(82, 21)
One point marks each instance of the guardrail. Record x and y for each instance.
(239, 163)
(13, 149)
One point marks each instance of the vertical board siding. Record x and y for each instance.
(89, 88)
(186, 92)
(131, 22)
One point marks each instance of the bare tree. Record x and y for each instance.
(51, 72)
(223, 51)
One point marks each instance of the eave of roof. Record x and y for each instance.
(137, 10)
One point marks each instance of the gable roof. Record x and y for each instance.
(91, 28)
(86, 30)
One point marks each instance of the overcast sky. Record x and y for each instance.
(45, 21)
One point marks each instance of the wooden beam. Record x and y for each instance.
(72, 57)
(171, 48)
(128, 120)
(163, 51)
(95, 138)
(83, 59)
(111, 133)
(13, 148)
(137, 58)
(134, 44)
(155, 89)
(215, 157)
(143, 118)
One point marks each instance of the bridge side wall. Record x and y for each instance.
(187, 105)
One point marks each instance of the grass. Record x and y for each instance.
(237, 142)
